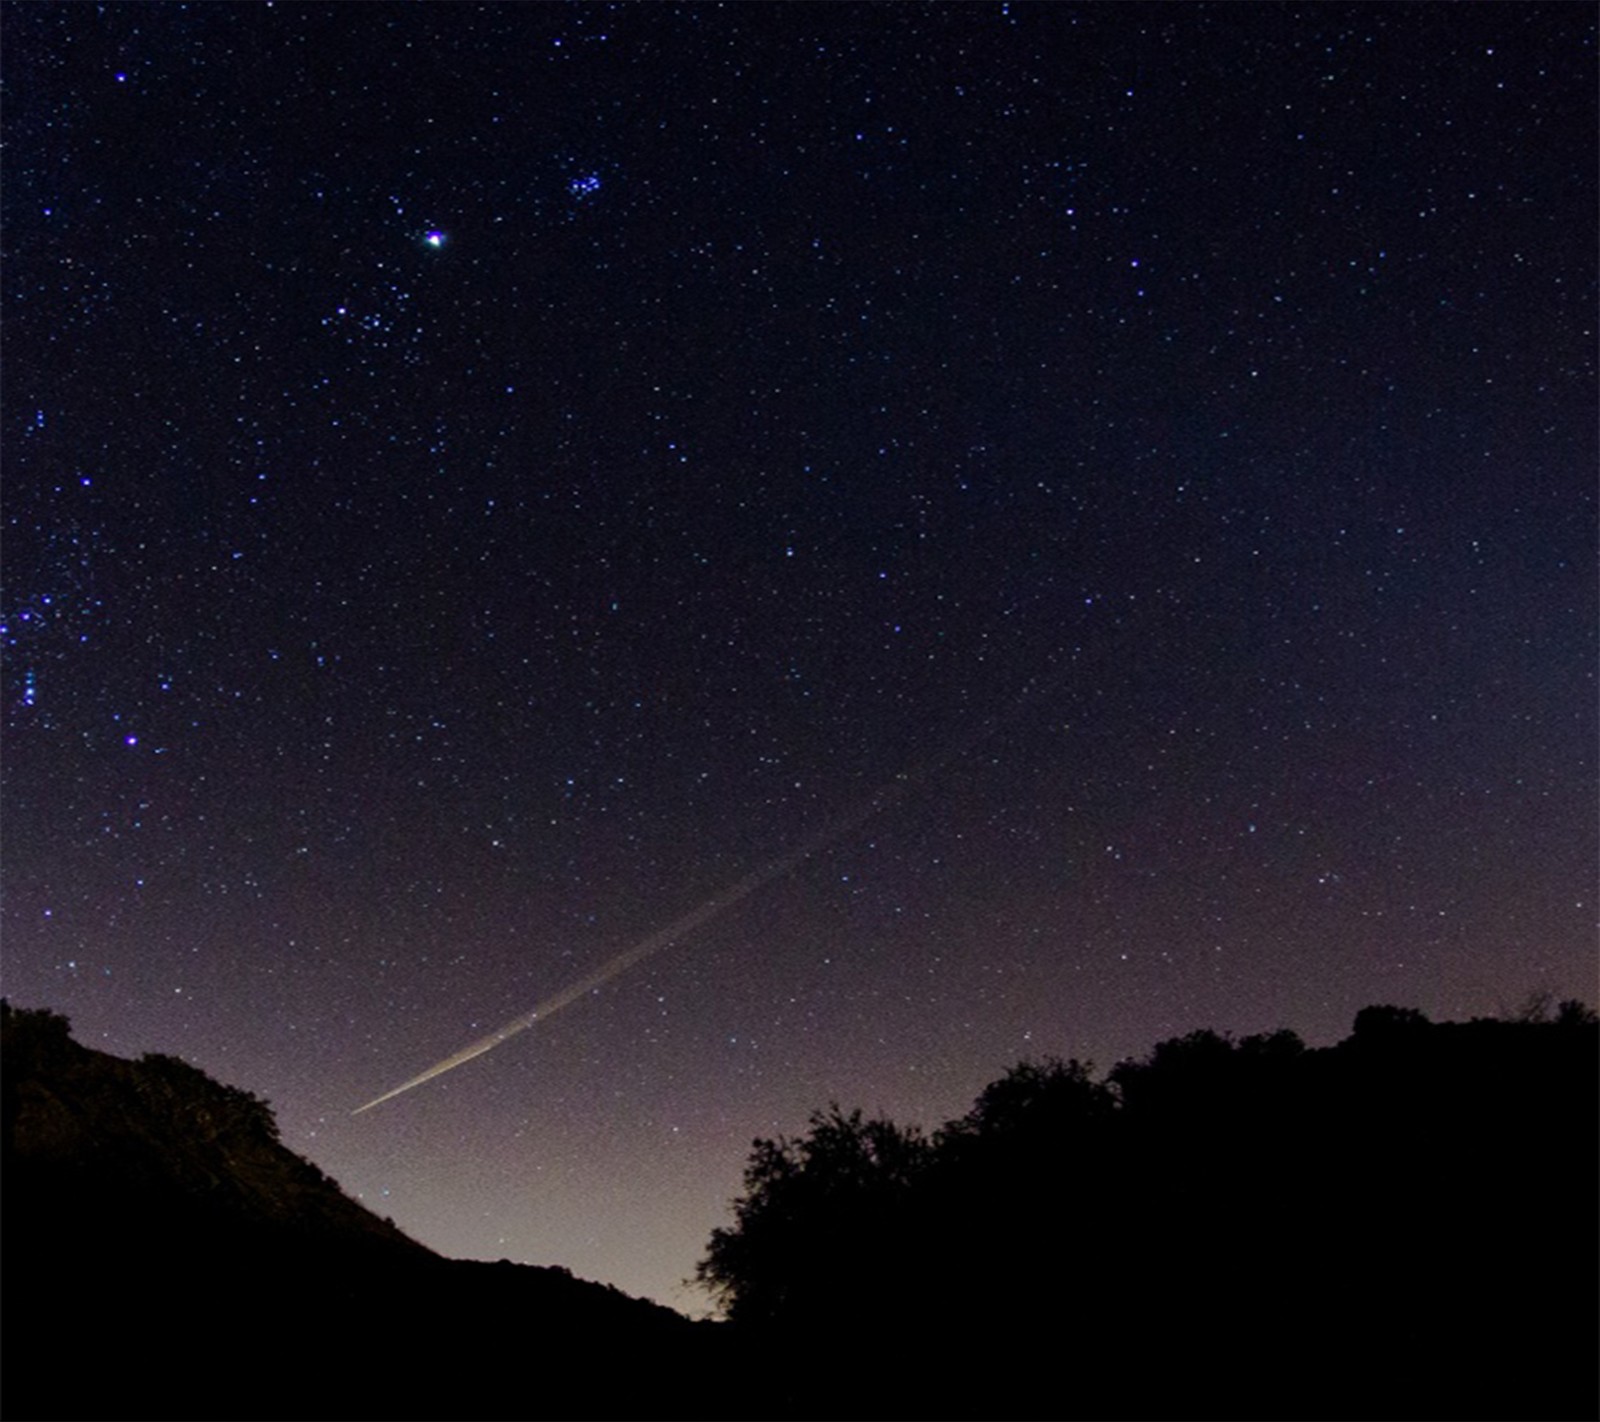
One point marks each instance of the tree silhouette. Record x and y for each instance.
(1033, 1101)
(1574, 1015)
(1220, 1228)
(819, 1214)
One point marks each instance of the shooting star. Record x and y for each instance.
(835, 830)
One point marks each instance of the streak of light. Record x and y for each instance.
(881, 799)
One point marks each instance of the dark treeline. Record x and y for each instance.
(1403, 1225)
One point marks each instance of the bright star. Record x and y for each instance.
(435, 238)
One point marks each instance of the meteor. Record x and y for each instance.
(835, 830)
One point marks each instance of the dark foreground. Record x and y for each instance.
(1401, 1226)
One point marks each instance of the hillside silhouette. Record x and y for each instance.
(166, 1257)
(1400, 1226)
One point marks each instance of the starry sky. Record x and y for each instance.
(482, 480)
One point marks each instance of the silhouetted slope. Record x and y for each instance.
(166, 1257)
(148, 1134)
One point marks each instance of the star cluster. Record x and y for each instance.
(481, 480)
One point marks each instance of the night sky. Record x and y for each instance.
(480, 481)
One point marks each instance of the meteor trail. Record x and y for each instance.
(885, 796)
